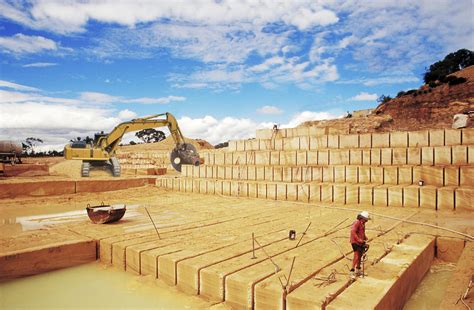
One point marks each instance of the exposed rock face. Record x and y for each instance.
(429, 108)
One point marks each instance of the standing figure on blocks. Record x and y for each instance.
(357, 240)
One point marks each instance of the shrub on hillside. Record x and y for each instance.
(457, 81)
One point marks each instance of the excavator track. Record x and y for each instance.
(85, 169)
(116, 171)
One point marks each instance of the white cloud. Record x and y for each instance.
(101, 98)
(7, 84)
(217, 130)
(40, 65)
(127, 115)
(67, 17)
(305, 116)
(269, 109)
(96, 97)
(363, 96)
(24, 44)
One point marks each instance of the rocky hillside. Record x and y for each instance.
(428, 107)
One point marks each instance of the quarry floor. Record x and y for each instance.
(204, 245)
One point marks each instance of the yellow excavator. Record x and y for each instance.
(101, 150)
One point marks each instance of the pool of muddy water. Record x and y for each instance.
(430, 291)
(93, 286)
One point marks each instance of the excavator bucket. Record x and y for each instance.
(184, 154)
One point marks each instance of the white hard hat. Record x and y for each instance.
(365, 215)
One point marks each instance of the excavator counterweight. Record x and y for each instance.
(101, 150)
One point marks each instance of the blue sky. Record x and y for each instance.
(224, 68)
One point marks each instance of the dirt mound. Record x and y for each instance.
(72, 169)
(166, 145)
(427, 108)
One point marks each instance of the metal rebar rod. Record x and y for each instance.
(268, 256)
(302, 235)
(253, 246)
(156, 229)
(291, 270)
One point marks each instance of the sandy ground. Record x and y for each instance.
(23, 216)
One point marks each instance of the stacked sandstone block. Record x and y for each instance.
(430, 168)
(144, 160)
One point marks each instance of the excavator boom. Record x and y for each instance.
(102, 150)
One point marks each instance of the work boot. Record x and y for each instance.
(359, 272)
(352, 274)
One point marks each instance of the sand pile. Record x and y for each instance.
(72, 169)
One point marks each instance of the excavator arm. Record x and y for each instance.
(111, 141)
(103, 150)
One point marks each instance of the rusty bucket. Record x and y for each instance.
(106, 213)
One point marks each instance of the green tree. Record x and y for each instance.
(150, 135)
(451, 63)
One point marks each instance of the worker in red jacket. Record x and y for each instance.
(358, 239)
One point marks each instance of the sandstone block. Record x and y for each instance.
(259, 173)
(395, 196)
(399, 156)
(297, 174)
(274, 158)
(405, 175)
(386, 156)
(467, 176)
(375, 157)
(430, 175)
(446, 198)
(314, 192)
(366, 160)
(349, 141)
(303, 192)
(442, 155)
(366, 194)
(452, 137)
(352, 194)
(291, 144)
(323, 157)
(277, 174)
(365, 140)
(287, 174)
(304, 143)
(252, 190)
(312, 157)
(339, 174)
(280, 191)
(451, 176)
(333, 141)
(428, 197)
(411, 196)
(380, 196)
(364, 174)
(288, 158)
(317, 174)
(355, 157)
(352, 174)
(318, 142)
(464, 199)
(376, 175)
(381, 140)
(326, 193)
(339, 192)
(436, 137)
(328, 174)
(262, 190)
(390, 175)
(427, 156)
(460, 154)
(278, 144)
(418, 138)
(414, 156)
(301, 158)
(268, 172)
(292, 192)
(468, 136)
(399, 139)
